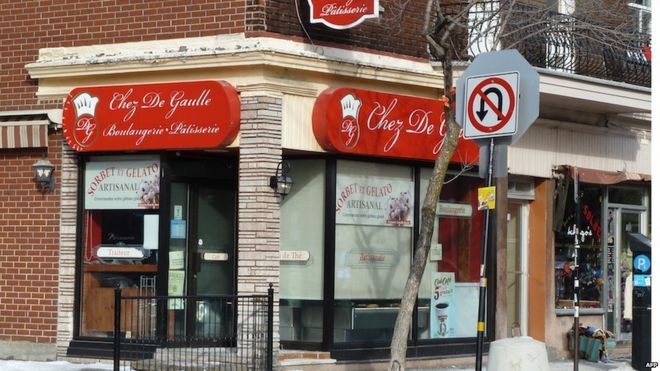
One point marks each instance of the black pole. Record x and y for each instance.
(576, 278)
(481, 324)
(269, 345)
(115, 345)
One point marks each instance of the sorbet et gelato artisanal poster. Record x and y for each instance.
(443, 305)
(123, 184)
(374, 201)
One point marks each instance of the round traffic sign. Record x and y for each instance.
(502, 110)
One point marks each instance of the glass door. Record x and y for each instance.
(620, 222)
(202, 259)
(517, 263)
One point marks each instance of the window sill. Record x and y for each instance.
(583, 311)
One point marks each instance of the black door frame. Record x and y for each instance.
(193, 179)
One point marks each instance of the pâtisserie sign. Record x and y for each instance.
(184, 115)
(379, 124)
(342, 14)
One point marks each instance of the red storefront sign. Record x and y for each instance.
(184, 115)
(379, 124)
(342, 14)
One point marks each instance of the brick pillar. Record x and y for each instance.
(67, 258)
(258, 205)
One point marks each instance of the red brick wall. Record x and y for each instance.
(27, 26)
(397, 30)
(29, 221)
(29, 247)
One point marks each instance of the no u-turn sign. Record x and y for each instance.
(497, 96)
(491, 107)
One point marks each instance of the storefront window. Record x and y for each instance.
(629, 196)
(449, 291)
(120, 239)
(301, 253)
(589, 234)
(373, 242)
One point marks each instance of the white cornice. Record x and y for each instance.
(227, 51)
(622, 98)
(566, 90)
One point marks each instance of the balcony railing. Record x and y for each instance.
(554, 41)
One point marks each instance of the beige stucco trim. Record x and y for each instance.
(59, 69)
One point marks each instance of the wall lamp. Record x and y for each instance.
(281, 182)
(43, 174)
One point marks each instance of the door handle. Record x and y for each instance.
(198, 262)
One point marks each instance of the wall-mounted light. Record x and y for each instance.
(281, 182)
(43, 174)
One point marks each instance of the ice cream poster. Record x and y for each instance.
(443, 305)
(123, 184)
(374, 201)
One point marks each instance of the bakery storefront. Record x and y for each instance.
(348, 229)
(158, 213)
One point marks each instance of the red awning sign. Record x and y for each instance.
(491, 108)
(363, 122)
(342, 14)
(184, 115)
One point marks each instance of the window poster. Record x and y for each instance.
(374, 201)
(123, 184)
(443, 305)
(151, 232)
(378, 258)
(175, 287)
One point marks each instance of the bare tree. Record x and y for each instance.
(460, 28)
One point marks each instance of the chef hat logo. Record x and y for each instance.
(85, 104)
(350, 106)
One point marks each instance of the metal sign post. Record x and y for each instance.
(481, 321)
(497, 97)
(576, 278)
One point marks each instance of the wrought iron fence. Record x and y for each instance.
(551, 40)
(193, 332)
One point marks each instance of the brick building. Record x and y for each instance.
(54, 284)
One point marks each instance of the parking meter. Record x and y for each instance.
(641, 300)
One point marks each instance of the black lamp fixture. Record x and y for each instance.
(281, 182)
(43, 174)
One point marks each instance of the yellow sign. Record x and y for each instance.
(487, 198)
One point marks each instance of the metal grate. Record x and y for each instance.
(193, 332)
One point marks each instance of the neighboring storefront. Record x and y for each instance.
(611, 205)
(614, 193)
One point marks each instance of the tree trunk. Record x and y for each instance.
(399, 344)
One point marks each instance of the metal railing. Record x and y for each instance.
(551, 40)
(193, 332)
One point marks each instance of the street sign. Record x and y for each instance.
(503, 120)
(492, 106)
(526, 102)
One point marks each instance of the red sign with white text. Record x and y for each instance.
(379, 124)
(342, 14)
(183, 115)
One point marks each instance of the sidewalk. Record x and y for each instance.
(584, 365)
(10, 365)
